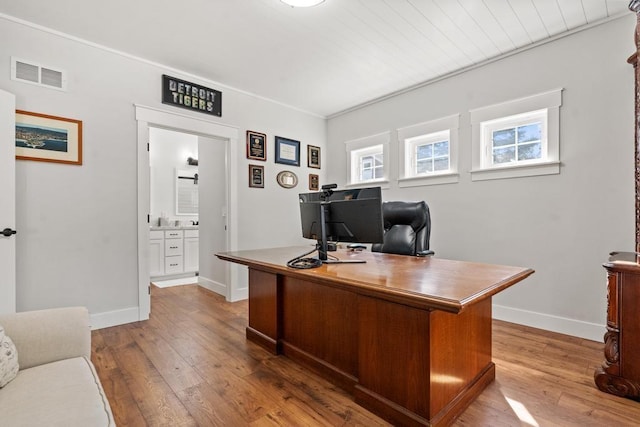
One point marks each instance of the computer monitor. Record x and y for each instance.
(353, 216)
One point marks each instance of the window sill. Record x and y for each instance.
(383, 183)
(535, 169)
(418, 181)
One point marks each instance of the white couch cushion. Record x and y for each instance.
(8, 359)
(64, 393)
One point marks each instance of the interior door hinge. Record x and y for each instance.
(148, 218)
(149, 287)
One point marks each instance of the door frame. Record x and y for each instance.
(153, 117)
(8, 208)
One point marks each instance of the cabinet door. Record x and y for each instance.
(156, 257)
(191, 253)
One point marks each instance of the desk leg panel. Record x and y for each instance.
(321, 321)
(393, 361)
(461, 351)
(419, 367)
(264, 308)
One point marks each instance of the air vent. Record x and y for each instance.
(30, 72)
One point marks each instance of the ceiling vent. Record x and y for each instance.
(30, 72)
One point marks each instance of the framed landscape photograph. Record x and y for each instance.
(313, 156)
(287, 151)
(256, 145)
(256, 176)
(46, 138)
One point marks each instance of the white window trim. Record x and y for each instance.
(364, 143)
(451, 123)
(551, 101)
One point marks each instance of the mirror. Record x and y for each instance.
(186, 192)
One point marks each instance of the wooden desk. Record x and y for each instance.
(408, 337)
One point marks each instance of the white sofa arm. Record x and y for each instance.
(46, 336)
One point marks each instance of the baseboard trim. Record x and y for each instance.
(212, 285)
(563, 325)
(239, 295)
(114, 318)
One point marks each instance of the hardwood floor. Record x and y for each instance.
(190, 365)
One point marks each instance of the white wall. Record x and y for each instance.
(77, 243)
(563, 226)
(169, 151)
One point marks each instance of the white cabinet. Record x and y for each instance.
(191, 253)
(173, 252)
(173, 265)
(156, 253)
(173, 243)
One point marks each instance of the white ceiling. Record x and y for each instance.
(324, 59)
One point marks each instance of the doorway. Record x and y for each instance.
(174, 205)
(213, 139)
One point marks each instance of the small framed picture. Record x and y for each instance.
(256, 176)
(313, 156)
(48, 138)
(314, 182)
(287, 179)
(287, 151)
(256, 145)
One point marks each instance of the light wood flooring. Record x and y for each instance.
(190, 365)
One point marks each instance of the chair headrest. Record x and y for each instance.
(414, 214)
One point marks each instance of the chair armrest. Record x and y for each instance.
(46, 336)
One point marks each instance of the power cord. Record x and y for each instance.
(303, 263)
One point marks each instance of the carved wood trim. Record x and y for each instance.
(634, 6)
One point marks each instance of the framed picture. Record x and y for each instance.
(287, 151)
(256, 145)
(256, 176)
(48, 138)
(287, 179)
(313, 156)
(314, 182)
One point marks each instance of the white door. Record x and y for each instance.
(7, 202)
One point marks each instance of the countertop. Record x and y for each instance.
(172, 227)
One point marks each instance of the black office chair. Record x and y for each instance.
(407, 227)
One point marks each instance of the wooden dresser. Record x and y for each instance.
(620, 372)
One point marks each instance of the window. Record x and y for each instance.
(517, 138)
(370, 163)
(428, 152)
(368, 159)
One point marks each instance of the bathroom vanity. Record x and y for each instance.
(173, 251)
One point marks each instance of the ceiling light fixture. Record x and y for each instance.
(302, 3)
